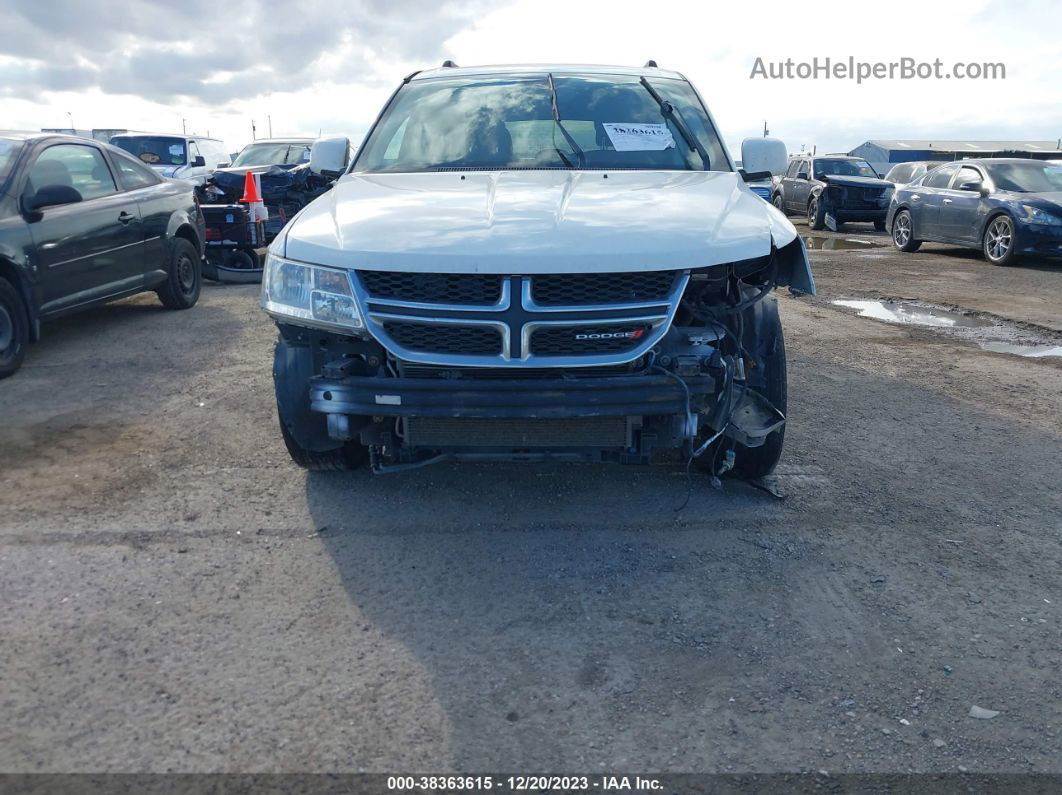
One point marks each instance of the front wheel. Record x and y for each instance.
(348, 456)
(14, 329)
(778, 202)
(184, 276)
(903, 232)
(998, 242)
(752, 463)
(816, 214)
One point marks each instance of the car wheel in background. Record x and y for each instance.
(14, 329)
(779, 203)
(184, 277)
(238, 267)
(879, 225)
(903, 232)
(816, 214)
(998, 242)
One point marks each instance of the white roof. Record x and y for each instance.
(541, 68)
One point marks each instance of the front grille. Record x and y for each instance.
(586, 340)
(472, 289)
(516, 434)
(583, 289)
(519, 321)
(442, 338)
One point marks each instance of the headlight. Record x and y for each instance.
(1034, 215)
(309, 293)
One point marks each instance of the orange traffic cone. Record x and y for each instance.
(250, 190)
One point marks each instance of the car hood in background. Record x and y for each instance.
(535, 221)
(241, 170)
(856, 182)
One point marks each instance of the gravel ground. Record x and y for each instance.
(178, 596)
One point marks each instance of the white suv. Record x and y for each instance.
(537, 262)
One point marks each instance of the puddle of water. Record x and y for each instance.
(913, 314)
(1032, 351)
(990, 335)
(833, 243)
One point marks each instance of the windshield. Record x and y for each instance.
(273, 154)
(606, 121)
(1031, 177)
(154, 150)
(9, 150)
(843, 168)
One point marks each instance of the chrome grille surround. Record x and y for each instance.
(516, 316)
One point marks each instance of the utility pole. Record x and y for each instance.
(766, 132)
(270, 118)
(253, 136)
(184, 126)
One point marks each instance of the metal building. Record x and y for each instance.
(884, 154)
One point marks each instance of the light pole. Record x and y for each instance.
(71, 116)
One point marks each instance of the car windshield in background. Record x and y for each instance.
(273, 154)
(606, 121)
(9, 150)
(1031, 177)
(843, 168)
(154, 150)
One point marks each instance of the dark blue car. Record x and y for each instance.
(1007, 207)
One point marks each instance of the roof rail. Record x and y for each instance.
(448, 64)
(650, 64)
(410, 76)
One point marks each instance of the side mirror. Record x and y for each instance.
(974, 186)
(198, 161)
(329, 155)
(52, 196)
(802, 175)
(764, 154)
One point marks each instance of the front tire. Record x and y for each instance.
(903, 232)
(184, 276)
(340, 459)
(816, 214)
(14, 329)
(779, 203)
(998, 241)
(753, 463)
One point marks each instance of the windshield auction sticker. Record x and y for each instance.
(639, 137)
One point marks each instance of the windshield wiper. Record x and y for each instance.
(564, 132)
(669, 112)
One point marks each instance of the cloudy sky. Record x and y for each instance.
(330, 64)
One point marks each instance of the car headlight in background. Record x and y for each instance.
(1034, 215)
(309, 294)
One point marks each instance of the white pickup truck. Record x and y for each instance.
(537, 263)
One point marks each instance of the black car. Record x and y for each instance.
(1007, 207)
(832, 190)
(83, 223)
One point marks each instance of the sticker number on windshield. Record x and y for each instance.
(639, 137)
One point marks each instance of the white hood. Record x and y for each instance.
(535, 222)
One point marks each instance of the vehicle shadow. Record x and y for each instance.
(565, 617)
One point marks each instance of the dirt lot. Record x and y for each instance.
(178, 596)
